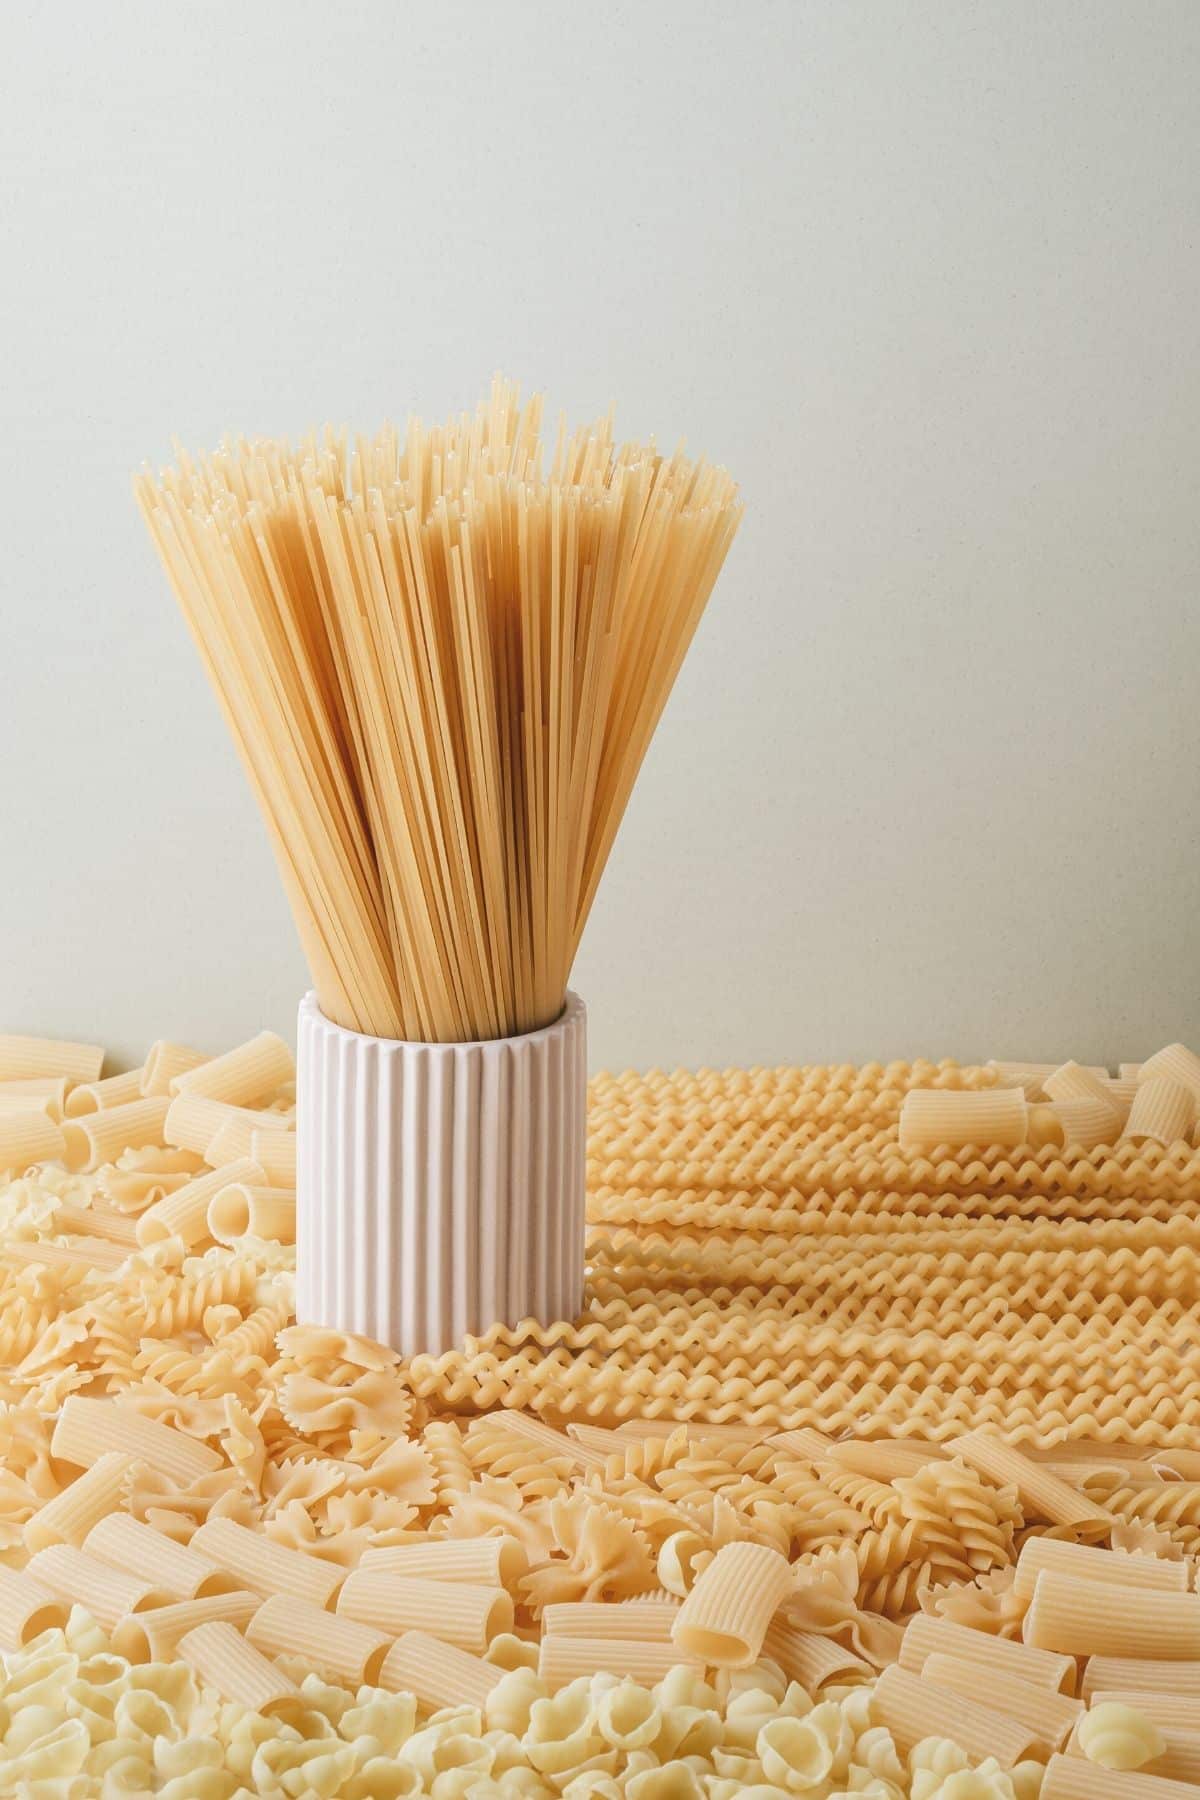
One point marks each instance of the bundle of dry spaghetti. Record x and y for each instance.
(442, 669)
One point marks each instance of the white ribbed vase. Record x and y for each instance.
(439, 1187)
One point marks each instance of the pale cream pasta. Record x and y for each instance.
(1178, 1064)
(1052, 1716)
(806, 1444)
(1091, 1564)
(811, 1658)
(95, 1096)
(184, 1213)
(97, 1221)
(725, 1617)
(178, 1571)
(83, 1580)
(1118, 1736)
(1134, 1673)
(437, 1674)
(151, 1636)
(236, 1137)
(67, 1517)
(340, 1648)
(100, 1137)
(87, 1429)
(564, 1658)
(497, 1561)
(164, 1061)
(1073, 1778)
(913, 1709)
(27, 1138)
(1163, 1112)
(1042, 1494)
(31, 1058)
(1086, 1618)
(648, 1620)
(926, 1635)
(459, 1612)
(44, 1093)
(1087, 1124)
(555, 1442)
(884, 1459)
(1178, 1712)
(265, 1566)
(275, 1153)
(243, 1076)
(932, 1117)
(1071, 1081)
(222, 1657)
(244, 1209)
(27, 1608)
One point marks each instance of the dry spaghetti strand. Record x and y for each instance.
(442, 670)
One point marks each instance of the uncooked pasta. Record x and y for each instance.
(442, 664)
(891, 1489)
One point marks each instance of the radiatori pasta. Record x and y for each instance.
(877, 1381)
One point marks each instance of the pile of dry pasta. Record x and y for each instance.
(866, 1470)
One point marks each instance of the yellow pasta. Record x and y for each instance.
(68, 1517)
(235, 1138)
(927, 1636)
(1042, 1494)
(176, 1570)
(1090, 1564)
(43, 1093)
(1135, 1674)
(1179, 1759)
(1051, 1716)
(87, 1429)
(267, 1567)
(184, 1213)
(885, 1459)
(243, 1076)
(437, 1673)
(1177, 1063)
(1166, 1707)
(339, 1648)
(725, 1617)
(27, 1608)
(152, 1635)
(648, 1620)
(564, 1658)
(1085, 1123)
(100, 1137)
(95, 1096)
(1085, 1618)
(275, 1153)
(193, 1120)
(1163, 1111)
(932, 1117)
(1072, 1778)
(461, 1613)
(97, 1222)
(1071, 1081)
(806, 1443)
(164, 1061)
(27, 1138)
(1118, 1736)
(913, 1708)
(243, 1209)
(497, 1561)
(32, 1058)
(83, 1580)
(810, 1658)
(222, 1657)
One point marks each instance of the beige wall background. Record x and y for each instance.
(926, 276)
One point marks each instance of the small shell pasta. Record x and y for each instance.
(1118, 1737)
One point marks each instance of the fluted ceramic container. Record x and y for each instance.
(439, 1187)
